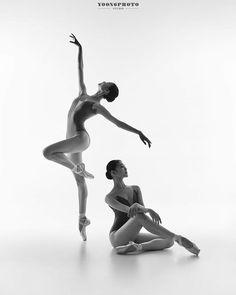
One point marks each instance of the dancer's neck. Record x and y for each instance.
(97, 96)
(119, 183)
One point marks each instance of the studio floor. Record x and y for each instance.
(60, 263)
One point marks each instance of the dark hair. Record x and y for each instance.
(110, 167)
(113, 92)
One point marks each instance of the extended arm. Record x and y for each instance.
(82, 87)
(104, 112)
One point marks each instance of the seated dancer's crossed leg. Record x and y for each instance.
(128, 238)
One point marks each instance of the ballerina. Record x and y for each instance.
(130, 217)
(68, 152)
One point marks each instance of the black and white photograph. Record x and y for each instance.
(118, 147)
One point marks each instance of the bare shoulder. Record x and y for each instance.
(73, 105)
(110, 196)
(135, 187)
(77, 100)
(83, 96)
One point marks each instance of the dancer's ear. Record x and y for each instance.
(113, 173)
(106, 91)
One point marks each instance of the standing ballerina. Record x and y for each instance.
(68, 152)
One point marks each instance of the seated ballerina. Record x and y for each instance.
(130, 218)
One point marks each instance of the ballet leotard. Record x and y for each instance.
(121, 217)
(84, 111)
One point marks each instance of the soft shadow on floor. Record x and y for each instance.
(50, 264)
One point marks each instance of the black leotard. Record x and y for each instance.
(121, 217)
(84, 111)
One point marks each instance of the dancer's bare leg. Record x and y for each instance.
(81, 184)
(82, 193)
(82, 196)
(130, 230)
(56, 152)
(150, 242)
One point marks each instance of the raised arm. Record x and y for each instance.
(104, 112)
(82, 87)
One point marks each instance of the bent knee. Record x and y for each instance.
(169, 243)
(140, 216)
(49, 153)
(116, 242)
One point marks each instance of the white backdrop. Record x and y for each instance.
(174, 63)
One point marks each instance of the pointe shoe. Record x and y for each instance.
(131, 247)
(83, 222)
(80, 170)
(188, 245)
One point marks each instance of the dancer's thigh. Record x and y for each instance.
(76, 158)
(75, 144)
(128, 232)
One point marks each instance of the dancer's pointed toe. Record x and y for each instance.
(83, 223)
(188, 245)
(88, 175)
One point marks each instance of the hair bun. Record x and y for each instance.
(111, 166)
(108, 175)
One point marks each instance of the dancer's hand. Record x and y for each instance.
(144, 139)
(155, 217)
(136, 208)
(75, 41)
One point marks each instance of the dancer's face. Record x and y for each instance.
(101, 84)
(104, 86)
(121, 170)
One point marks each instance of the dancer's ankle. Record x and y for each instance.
(139, 247)
(177, 238)
(75, 169)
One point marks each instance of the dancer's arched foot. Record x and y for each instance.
(80, 170)
(188, 245)
(131, 247)
(83, 222)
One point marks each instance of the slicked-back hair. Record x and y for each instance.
(113, 92)
(111, 166)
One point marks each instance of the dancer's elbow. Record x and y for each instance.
(119, 124)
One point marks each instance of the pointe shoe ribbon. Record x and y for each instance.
(80, 170)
